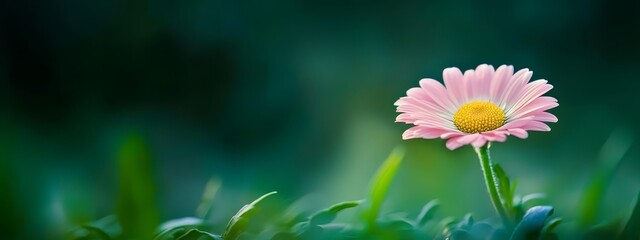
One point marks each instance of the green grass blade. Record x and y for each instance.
(611, 155)
(238, 222)
(427, 212)
(136, 205)
(552, 225)
(380, 184)
(632, 229)
(209, 194)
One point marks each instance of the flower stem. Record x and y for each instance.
(492, 185)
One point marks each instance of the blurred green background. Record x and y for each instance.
(296, 96)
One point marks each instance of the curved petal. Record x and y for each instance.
(455, 85)
(496, 136)
(536, 126)
(481, 82)
(456, 142)
(479, 142)
(516, 123)
(545, 117)
(518, 132)
(421, 108)
(438, 93)
(530, 92)
(452, 134)
(538, 105)
(422, 132)
(514, 86)
(499, 82)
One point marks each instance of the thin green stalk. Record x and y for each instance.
(492, 186)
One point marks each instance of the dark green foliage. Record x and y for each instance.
(529, 223)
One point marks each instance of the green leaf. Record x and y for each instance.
(427, 212)
(467, 222)
(103, 229)
(176, 227)
(380, 184)
(504, 186)
(547, 232)
(136, 206)
(632, 229)
(195, 234)
(238, 222)
(518, 208)
(532, 223)
(328, 215)
(446, 224)
(300, 227)
(552, 224)
(172, 234)
(531, 199)
(180, 222)
(397, 225)
(90, 233)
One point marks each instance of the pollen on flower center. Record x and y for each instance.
(477, 116)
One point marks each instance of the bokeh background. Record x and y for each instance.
(296, 96)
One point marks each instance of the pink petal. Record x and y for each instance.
(518, 132)
(530, 92)
(453, 143)
(481, 82)
(516, 123)
(538, 105)
(422, 132)
(436, 124)
(496, 136)
(499, 82)
(545, 117)
(467, 80)
(417, 106)
(455, 85)
(456, 142)
(479, 142)
(514, 86)
(536, 126)
(438, 93)
(451, 134)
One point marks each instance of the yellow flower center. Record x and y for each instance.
(477, 116)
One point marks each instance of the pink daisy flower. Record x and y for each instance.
(479, 106)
